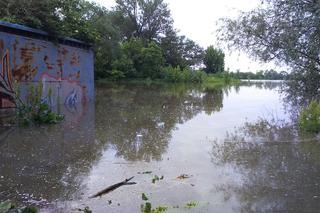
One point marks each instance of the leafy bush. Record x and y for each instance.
(116, 75)
(309, 119)
(176, 75)
(7, 206)
(35, 110)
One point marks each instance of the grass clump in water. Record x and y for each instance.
(309, 118)
(36, 109)
(190, 205)
(147, 208)
(7, 206)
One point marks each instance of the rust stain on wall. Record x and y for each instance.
(75, 75)
(47, 62)
(75, 60)
(25, 71)
(62, 56)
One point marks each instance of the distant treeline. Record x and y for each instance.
(262, 75)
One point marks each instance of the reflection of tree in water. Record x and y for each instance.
(47, 162)
(137, 120)
(270, 85)
(276, 176)
(212, 100)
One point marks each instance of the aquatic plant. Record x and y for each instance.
(144, 197)
(309, 118)
(7, 206)
(36, 109)
(190, 205)
(157, 178)
(147, 208)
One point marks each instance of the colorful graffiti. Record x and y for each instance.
(6, 85)
(65, 70)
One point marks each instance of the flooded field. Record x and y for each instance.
(229, 149)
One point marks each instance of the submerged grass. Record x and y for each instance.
(36, 108)
(7, 206)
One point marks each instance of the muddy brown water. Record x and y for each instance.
(224, 139)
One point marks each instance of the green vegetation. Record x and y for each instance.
(285, 32)
(190, 205)
(36, 109)
(309, 119)
(213, 60)
(7, 206)
(157, 178)
(147, 208)
(261, 75)
(144, 197)
(134, 40)
(178, 75)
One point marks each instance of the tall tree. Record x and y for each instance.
(180, 51)
(284, 31)
(147, 19)
(213, 60)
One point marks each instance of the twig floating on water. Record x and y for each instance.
(113, 187)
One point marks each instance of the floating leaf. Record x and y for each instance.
(144, 197)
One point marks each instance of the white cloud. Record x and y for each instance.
(197, 19)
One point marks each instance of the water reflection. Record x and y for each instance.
(263, 84)
(279, 172)
(40, 164)
(132, 122)
(140, 118)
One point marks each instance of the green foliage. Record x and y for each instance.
(116, 75)
(262, 75)
(135, 39)
(35, 110)
(213, 60)
(143, 19)
(147, 208)
(309, 119)
(157, 178)
(7, 206)
(144, 197)
(141, 59)
(176, 75)
(191, 205)
(285, 32)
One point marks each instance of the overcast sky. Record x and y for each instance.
(197, 20)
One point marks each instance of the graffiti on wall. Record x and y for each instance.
(59, 68)
(6, 84)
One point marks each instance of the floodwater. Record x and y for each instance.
(236, 145)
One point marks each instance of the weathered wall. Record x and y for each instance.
(66, 69)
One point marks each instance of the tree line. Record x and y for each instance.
(262, 75)
(135, 39)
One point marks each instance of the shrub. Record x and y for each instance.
(116, 75)
(176, 75)
(309, 119)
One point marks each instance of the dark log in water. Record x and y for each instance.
(114, 187)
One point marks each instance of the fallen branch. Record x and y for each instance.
(113, 187)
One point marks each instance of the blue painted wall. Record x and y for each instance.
(64, 67)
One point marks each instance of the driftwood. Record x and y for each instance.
(113, 187)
